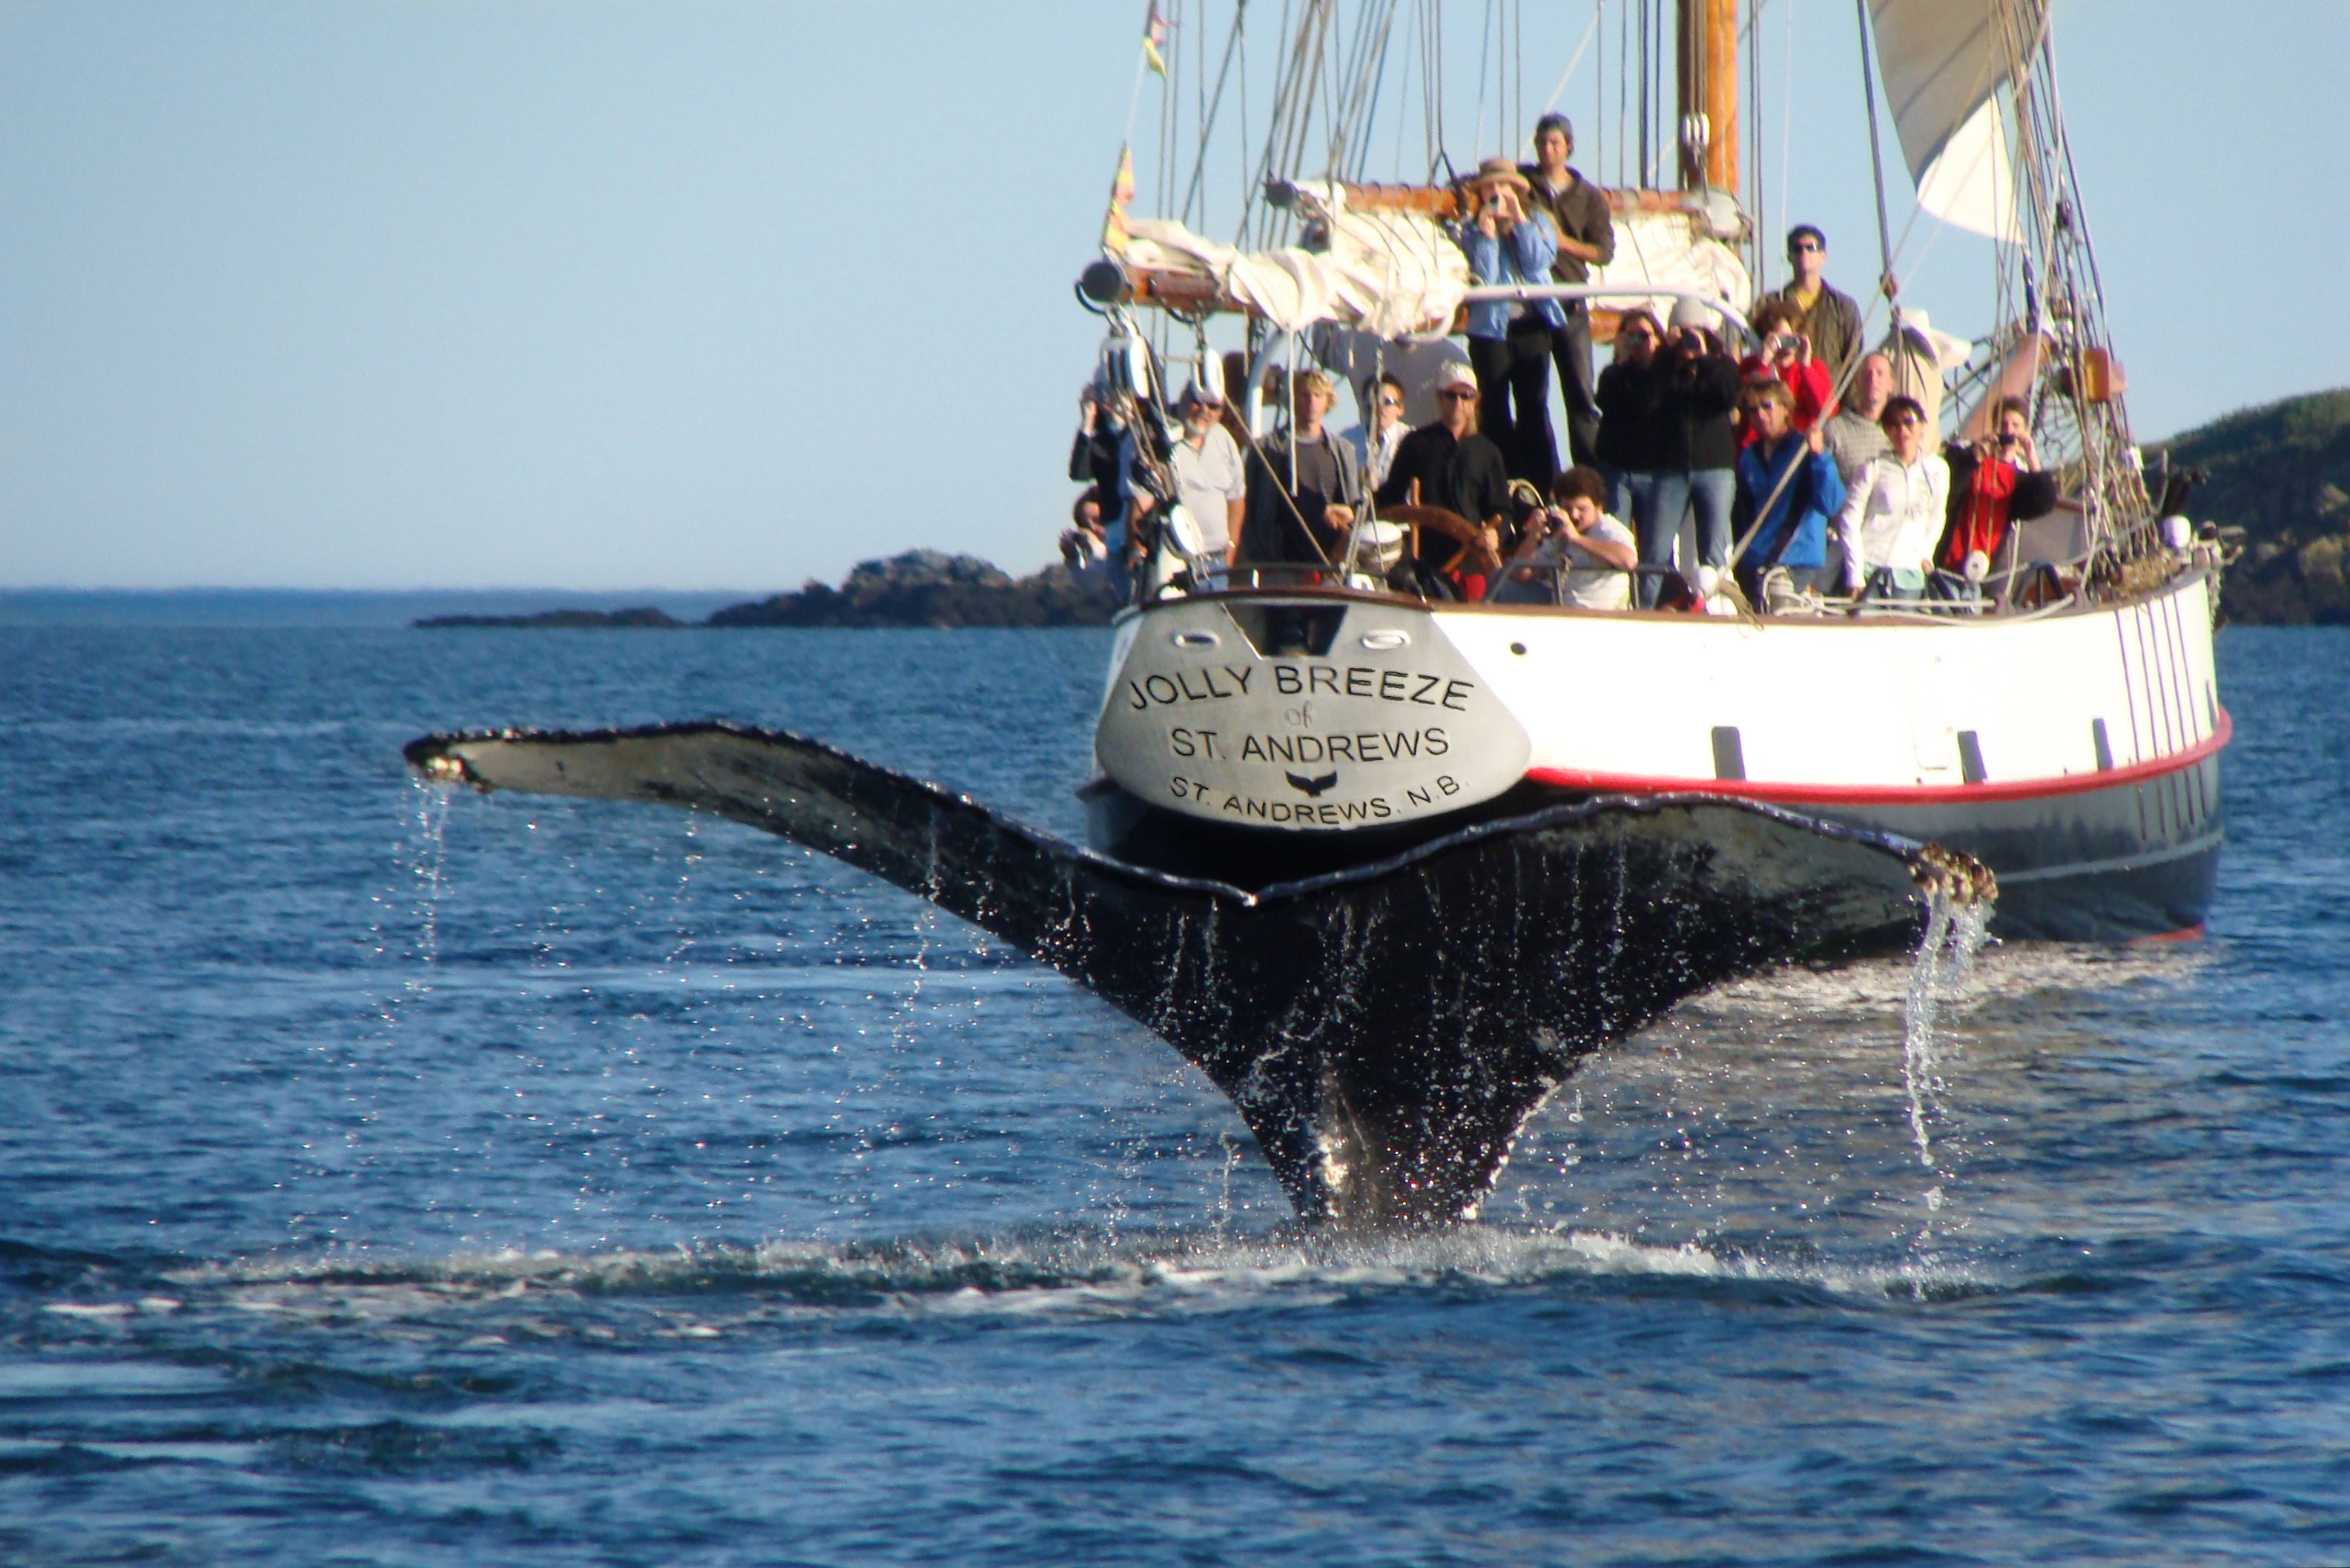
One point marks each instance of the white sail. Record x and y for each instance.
(1970, 182)
(1386, 273)
(1943, 63)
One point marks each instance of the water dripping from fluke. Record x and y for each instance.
(1385, 1030)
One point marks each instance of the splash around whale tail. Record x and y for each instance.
(1385, 1030)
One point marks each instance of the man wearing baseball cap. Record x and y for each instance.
(1449, 464)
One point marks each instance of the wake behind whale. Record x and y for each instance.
(1383, 1030)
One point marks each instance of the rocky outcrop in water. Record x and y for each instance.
(931, 587)
(920, 587)
(2281, 473)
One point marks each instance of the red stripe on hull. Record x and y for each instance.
(1890, 794)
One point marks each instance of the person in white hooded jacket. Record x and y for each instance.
(1894, 511)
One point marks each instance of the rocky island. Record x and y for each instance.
(2281, 473)
(920, 587)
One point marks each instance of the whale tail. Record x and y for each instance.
(1384, 1031)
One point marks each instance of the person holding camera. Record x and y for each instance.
(1995, 483)
(1623, 452)
(1786, 357)
(1574, 531)
(1094, 455)
(1696, 449)
(1509, 342)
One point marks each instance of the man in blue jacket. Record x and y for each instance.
(1791, 485)
(1509, 342)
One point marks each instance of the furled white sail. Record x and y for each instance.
(1672, 250)
(1387, 273)
(1943, 63)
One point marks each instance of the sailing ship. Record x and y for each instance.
(1385, 867)
(1278, 720)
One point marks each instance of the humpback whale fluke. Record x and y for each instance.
(1384, 1029)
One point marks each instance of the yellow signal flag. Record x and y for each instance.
(1121, 192)
(1154, 33)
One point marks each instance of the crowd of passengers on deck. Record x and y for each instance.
(1818, 467)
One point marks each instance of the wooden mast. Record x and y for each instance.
(1708, 75)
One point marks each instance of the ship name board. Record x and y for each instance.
(1307, 741)
(1219, 682)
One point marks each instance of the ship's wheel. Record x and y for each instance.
(1441, 539)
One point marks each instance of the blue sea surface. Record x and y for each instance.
(394, 1178)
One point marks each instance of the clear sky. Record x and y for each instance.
(605, 293)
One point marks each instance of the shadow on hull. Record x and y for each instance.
(1384, 1029)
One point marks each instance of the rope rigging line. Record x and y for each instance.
(1590, 31)
(1876, 155)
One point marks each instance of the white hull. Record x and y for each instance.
(2081, 740)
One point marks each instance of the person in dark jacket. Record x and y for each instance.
(1449, 464)
(1625, 444)
(1586, 226)
(1304, 484)
(1093, 456)
(1828, 318)
(1697, 446)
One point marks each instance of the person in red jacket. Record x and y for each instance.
(1786, 354)
(1994, 484)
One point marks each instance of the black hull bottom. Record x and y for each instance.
(1385, 1029)
(2133, 861)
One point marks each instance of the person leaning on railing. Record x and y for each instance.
(1573, 549)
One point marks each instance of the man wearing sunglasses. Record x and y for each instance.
(1205, 462)
(1450, 464)
(1830, 318)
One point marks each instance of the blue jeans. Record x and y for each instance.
(1709, 492)
(1628, 493)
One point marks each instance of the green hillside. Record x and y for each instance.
(2281, 473)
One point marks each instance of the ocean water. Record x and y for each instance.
(388, 1178)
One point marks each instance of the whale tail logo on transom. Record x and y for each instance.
(1314, 786)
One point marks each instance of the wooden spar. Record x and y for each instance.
(1721, 94)
(1708, 76)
